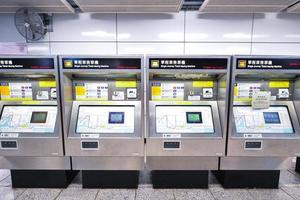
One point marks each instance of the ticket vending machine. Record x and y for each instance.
(263, 127)
(103, 118)
(31, 139)
(187, 105)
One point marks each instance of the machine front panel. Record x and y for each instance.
(103, 109)
(105, 119)
(30, 121)
(263, 113)
(184, 119)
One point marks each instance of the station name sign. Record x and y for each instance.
(188, 63)
(268, 64)
(101, 63)
(26, 63)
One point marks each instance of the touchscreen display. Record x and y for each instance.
(116, 117)
(271, 118)
(38, 117)
(194, 117)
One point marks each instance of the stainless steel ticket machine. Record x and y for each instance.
(264, 130)
(103, 118)
(187, 105)
(31, 138)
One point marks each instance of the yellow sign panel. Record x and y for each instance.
(106, 103)
(90, 99)
(183, 103)
(235, 91)
(16, 99)
(68, 63)
(155, 90)
(203, 84)
(4, 90)
(125, 84)
(279, 84)
(243, 99)
(31, 102)
(47, 84)
(80, 90)
(242, 63)
(154, 63)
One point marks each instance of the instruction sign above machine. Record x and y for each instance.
(188, 63)
(26, 63)
(101, 63)
(274, 63)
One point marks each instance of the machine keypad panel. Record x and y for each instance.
(41, 90)
(90, 145)
(183, 90)
(279, 90)
(253, 145)
(28, 119)
(184, 119)
(126, 90)
(275, 119)
(105, 119)
(9, 144)
(171, 145)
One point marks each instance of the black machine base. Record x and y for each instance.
(110, 179)
(297, 169)
(248, 178)
(179, 179)
(42, 178)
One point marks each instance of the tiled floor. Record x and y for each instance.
(289, 190)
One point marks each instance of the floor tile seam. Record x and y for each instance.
(4, 178)
(212, 194)
(173, 192)
(59, 194)
(97, 194)
(287, 193)
(135, 193)
(250, 194)
(21, 194)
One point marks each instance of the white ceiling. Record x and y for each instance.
(129, 5)
(47, 6)
(243, 6)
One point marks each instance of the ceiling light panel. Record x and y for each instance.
(49, 6)
(294, 9)
(245, 6)
(137, 6)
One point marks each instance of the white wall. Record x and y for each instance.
(181, 33)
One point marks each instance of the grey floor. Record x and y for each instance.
(289, 190)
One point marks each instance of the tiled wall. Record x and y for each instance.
(181, 33)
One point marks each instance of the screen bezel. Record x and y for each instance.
(34, 134)
(275, 134)
(103, 134)
(209, 134)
